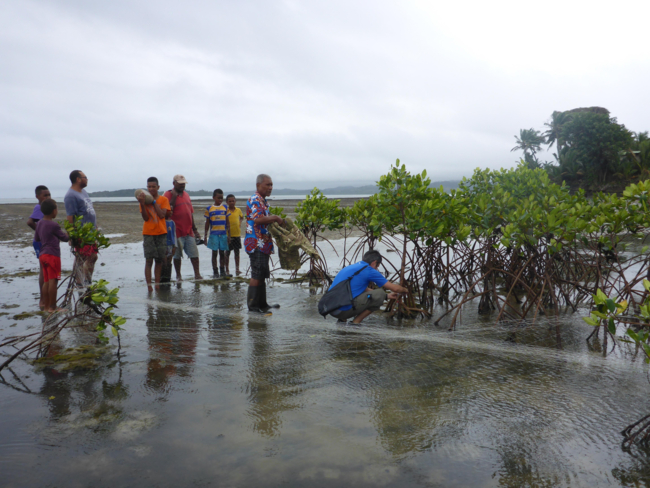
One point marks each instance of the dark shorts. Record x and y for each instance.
(155, 247)
(366, 301)
(259, 265)
(235, 244)
(37, 248)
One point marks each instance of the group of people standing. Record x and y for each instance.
(169, 230)
(48, 234)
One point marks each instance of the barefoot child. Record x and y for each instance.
(41, 194)
(49, 233)
(154, 230)
(217, 223)
(235, 218)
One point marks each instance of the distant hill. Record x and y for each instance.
(339, 190)
(131, 191)
(446, 185)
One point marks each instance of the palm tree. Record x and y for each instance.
(530, 141)
(553, 134)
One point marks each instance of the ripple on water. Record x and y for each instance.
(480, 406)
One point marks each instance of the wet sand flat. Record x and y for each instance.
(114, 218)
(204, 393)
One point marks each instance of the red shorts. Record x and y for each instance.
(51, 267)
(87, 250)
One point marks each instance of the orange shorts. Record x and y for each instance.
(51, 267)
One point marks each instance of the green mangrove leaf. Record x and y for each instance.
(612, 327)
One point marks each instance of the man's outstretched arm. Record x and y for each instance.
(395, 288)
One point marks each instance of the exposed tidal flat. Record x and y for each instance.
(119, 220)
(206, 394)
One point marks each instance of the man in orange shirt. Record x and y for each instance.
(154, 230)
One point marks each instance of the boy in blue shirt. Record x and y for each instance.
(42, 193)
(216, 222)
(365, 300)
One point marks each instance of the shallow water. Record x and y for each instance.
(206, 394)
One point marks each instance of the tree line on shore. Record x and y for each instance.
(592, 150)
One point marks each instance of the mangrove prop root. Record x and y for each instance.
(79, 315)
(637, 433)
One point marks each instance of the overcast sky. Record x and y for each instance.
(310, 92)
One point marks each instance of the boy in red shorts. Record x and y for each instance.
(49, 233)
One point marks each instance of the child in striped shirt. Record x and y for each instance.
(216, 222)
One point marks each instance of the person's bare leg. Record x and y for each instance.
(89, 267)
(177, 267)
(237, 262)
(45, 296)
(147, 272)
(41, 282)
(49, 289)
(158, 272)
(361, 316)
(78, 267)
(254, 282)
(227, 258)
(195, 265)
(223, 264)
(53, 289)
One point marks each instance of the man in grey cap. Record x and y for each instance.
(186, 231)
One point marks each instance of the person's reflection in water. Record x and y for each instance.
(56, 387)
(74, 383)
(57, 391)
(407, 394)
(225, 338)
(272, 381)
(225, 327)
(172, 336)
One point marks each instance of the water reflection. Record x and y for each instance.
(405, 403)
(79, 383)
(55, 386)
(57, 391)
(273, 379)
(635, 473)
(225, 335)
(72, 366)
(172, 335)
(517, 470)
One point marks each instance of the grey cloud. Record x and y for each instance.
(309, 92)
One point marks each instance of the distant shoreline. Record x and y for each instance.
(195, 198)
(284, 192)
(121, 219)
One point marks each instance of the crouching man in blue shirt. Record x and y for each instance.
(365, 300)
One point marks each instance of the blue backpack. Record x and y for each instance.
(338, 296)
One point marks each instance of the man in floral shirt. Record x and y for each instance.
(258, 243)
